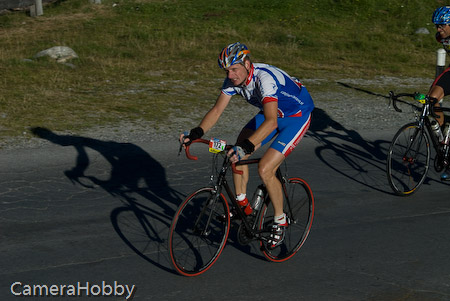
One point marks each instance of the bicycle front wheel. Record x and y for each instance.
(408, 159)
(299, 208)
(198, 232)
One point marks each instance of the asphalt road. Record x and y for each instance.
(97, 213)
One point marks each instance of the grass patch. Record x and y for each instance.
(145, 59)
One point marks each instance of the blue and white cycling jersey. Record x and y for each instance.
(267, 83)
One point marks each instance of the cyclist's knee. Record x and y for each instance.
(266, 172)
(437, 93)
(269, 164)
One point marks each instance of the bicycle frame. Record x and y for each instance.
(423, 123)
(201, 224)
(222, 182)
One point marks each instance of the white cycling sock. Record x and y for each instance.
(241, 196)
(280, 219)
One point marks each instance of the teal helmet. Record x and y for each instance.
(441, 15)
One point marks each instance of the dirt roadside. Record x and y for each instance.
(352, 104)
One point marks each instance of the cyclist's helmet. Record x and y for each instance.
(233, 54)
(441, 15)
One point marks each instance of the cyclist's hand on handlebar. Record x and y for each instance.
(184, 140)
(195, 133)
(240, 150)
(236, 154)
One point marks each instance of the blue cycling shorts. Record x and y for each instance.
(288, 134)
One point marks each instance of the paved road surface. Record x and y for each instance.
(89, 211)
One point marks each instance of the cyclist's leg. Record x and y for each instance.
(439, 89)
(267, 168)
(291, 131)
(240, 181)
(438, 93)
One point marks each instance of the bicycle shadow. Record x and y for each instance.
(136, 179)
(348, 153)
(384, 145)
(362, 90)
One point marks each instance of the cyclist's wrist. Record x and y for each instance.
(196, 133)
(247, 146)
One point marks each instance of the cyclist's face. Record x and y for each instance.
(237, 73)
(443, 30)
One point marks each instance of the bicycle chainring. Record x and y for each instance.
(243, 237)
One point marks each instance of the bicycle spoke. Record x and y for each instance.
(299, 207)
(408, 159)
(198, 233)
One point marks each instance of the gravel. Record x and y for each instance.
(350, 104)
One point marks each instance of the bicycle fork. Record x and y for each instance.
(406, 157)
(210, 204)
(284, 184)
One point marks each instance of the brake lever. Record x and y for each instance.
(182, 143)
(181, 148)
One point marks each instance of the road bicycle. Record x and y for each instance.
(201, 224)
(409, 154)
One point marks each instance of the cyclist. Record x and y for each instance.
(286, 108)
(441, 85)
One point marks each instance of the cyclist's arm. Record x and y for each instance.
(270, 123)
(211, 118)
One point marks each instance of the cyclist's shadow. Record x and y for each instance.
(348, 153)
(354, 157)
(137, 180)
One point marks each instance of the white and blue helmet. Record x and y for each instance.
(441, 15)
(233, 54)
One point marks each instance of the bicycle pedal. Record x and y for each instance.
(233, 216)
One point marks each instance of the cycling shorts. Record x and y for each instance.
(288, 134)
(443, 81)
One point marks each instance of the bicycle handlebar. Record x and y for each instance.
(395, 97)
(428, 101)
(204, 141)
(186, 150)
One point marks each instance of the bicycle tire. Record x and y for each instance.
(300, 214)
(408, 159)
(193, 252)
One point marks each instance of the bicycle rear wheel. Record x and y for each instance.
(299, 208)
(408, 159)
(198, 232)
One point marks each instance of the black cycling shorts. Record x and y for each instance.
(443, 81)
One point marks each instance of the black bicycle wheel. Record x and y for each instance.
(408, 159)
(198, 232)
(299, 208)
